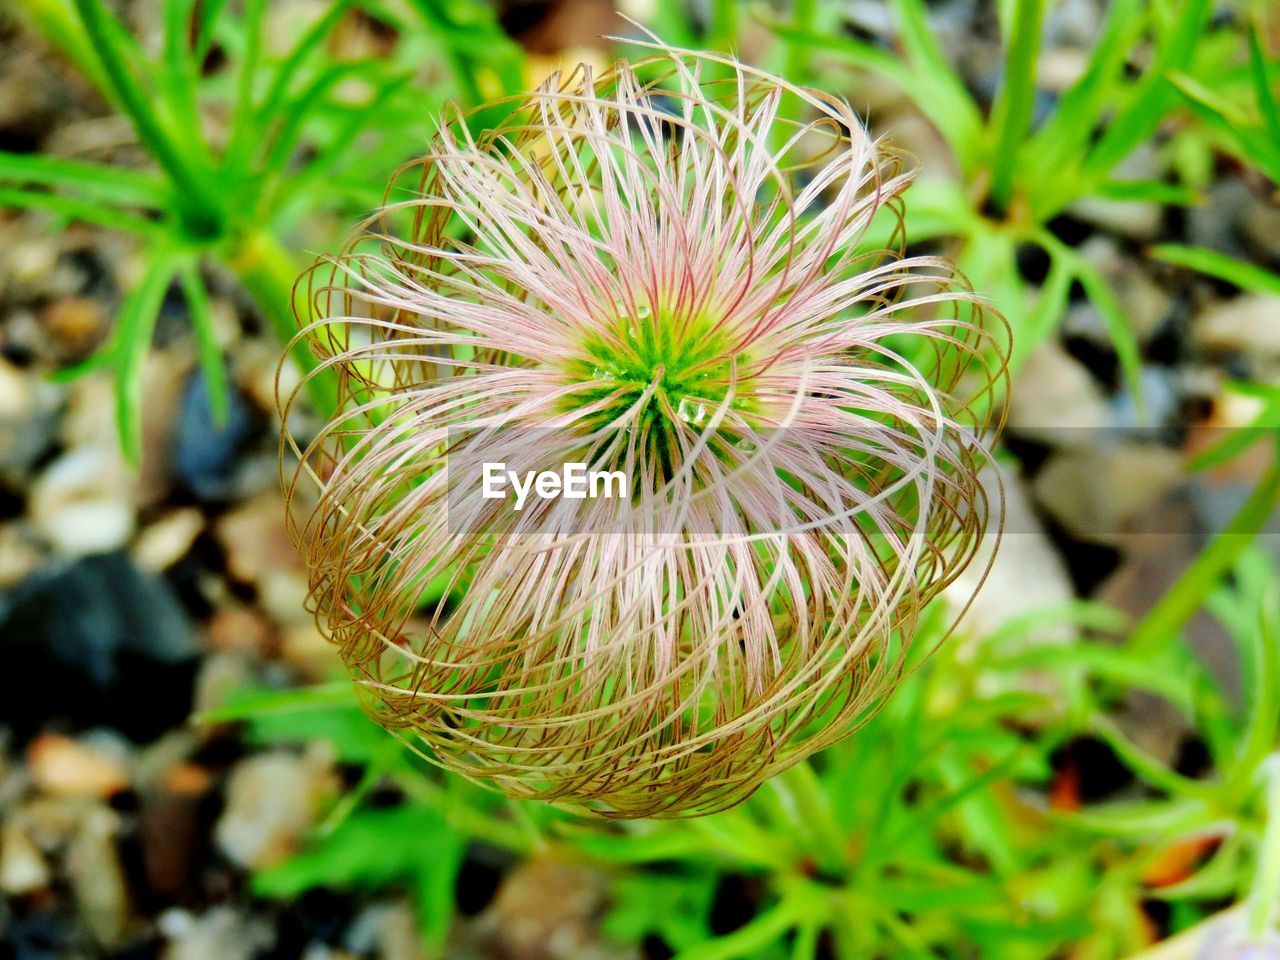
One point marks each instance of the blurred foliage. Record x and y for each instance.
(957, 822)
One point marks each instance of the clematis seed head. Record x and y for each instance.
(663, 271)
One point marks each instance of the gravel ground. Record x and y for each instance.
(129, 600)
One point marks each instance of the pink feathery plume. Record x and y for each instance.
(652, 271)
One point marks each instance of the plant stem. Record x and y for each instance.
(1265, 892)
(269, 273)
(1187, 595)
(1011, 116)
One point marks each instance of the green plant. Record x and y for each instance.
(949, 826)
(243, 156)
(1016, 177)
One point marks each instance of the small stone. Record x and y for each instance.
(1054, 398)
(1247, 325)
(271, 799)
(206, 453)
(23, 868)
(385, 930)
(28, 418)
(240, 629)
(77, 324)
(545, 910)
(96, 643)
(64, 767)
(1094, 490)
(304, 646)
(80, 503)
(221, 933)
(165, 542)
(97, 878)
(19, 557)
(1260, 224)
(259, 552)
(1026, 573)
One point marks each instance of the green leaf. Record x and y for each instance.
(1123, 340)
(1159, 627)
(1011, 115)
(209, 12)
(952, 109)
(373, 850)
(1211, 263)
(85, 210)
(210, 354)
(106, 35)
(1140, 117)
(297, 57)
(1056, 151)
(1149, 191)
(92, 181)
(1262, 85)
(134, 328)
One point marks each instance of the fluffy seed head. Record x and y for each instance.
(653, 270)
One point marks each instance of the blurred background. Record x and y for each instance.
(1086, 769)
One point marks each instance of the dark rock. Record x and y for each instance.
(205, 453)
(95, 643)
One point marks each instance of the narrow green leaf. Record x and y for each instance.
(297, 57)
(1149, 191)
(215, 373)
(210, 11)
(1011, 115)
(1122, 337)
(135, 326)
(105, 32)
(1262, 85)
(1057, 149)
(1139, 118)
(1211, 263)
(952, 109)
(93, 181)
(85, 210)
(180, 70)
(244, 123)
(1187, 595)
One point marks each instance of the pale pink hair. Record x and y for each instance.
(651, 268)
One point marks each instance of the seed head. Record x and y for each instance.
(657, 270)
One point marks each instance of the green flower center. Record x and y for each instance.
(654, 369)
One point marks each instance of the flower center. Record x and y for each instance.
(658, 373)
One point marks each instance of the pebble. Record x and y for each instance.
(546, 910)
(272, 798)
(259, 552)
(1247, 325)
(122, 655)
(207, 454)
(1092, 491)
(240, 629)
(1026, 574)
(77, 324)
(19, 555)
(305, 647)
(23, 868)
(220, 933)
(28, 421)
(385, 930)
(166, 541)
(97, 877)
(63, 767)
(80, 503)
(1056, 399)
